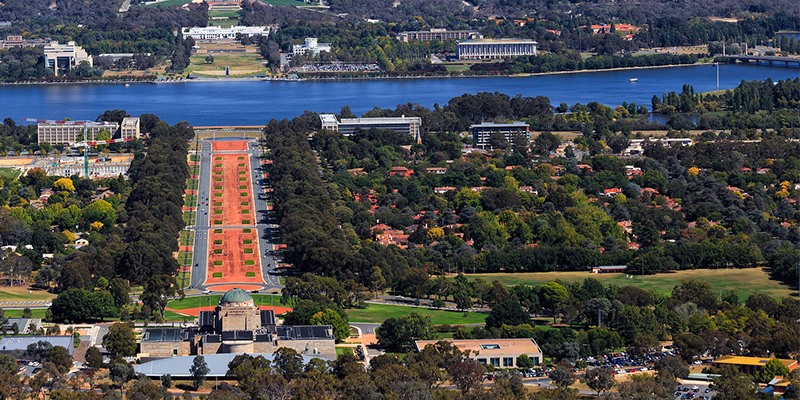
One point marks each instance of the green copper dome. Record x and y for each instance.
(236, 295)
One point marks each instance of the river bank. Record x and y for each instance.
(347, 78)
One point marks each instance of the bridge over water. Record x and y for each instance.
(766, 59)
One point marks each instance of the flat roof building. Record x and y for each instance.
(238, 326)
(347, 126)
(64, 56)
(495, 48)
(750, 365)
(439, 34)
(16, 344)
(501, 353)
(66, 132)
(220, 33)
(482, 133)
(312, 46)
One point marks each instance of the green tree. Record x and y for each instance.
(509, 312)
(93, 358)
(773, 368)
(120, 290)
(27, 313)
(166, 381)
(438, 304)
(120, 341)
(70, 305)
(562, 376)
(100, 211)
(198, 371)
(60, 357)
(159, 290)
(288, 362)
(599, 379)
(553, 297)
(523, 361)
(341, 329)
(400, 333)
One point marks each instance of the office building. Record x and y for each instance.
(439, 34)
(219, 33)
(66, 132)
(347, 126)
(16, 345)
(501, 353)
(64, 56)
(495, 48)
(311, 46)
(18, 41)
(481, 133)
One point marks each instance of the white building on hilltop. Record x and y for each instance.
(67, 55)
(311, 46)
(218, 32)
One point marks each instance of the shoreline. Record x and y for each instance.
(353, 78)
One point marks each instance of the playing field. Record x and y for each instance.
(377, 313)
(743, 281)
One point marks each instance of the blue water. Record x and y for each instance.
(256, 102)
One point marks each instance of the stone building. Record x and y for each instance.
(237, 325)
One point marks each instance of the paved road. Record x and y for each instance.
(263, 226)
(200, 252)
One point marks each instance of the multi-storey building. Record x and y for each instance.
(495, 48)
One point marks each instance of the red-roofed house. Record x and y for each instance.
(400, 171)
(611, 192)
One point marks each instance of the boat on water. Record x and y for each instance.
(633, 80)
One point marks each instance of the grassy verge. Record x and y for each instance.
(743, 281)
(189, 217)
(377, 313)
(344, 350)
(190, 200)
(185, 258)
(191, 184)
(187, 238)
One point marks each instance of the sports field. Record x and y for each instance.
(377, 313)
(743, 281)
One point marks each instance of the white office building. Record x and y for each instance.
(495, 48)
(348, 126)
(64, 55)
(220, 33)
(311, 45)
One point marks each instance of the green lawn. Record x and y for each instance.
(743, 281)
(223, 13)
(377, 313)
(11, 172)
(240, 64)
(213, 300)
(191, 184)
(344, 350)
(17, 313)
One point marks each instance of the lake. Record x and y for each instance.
(214, 103)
